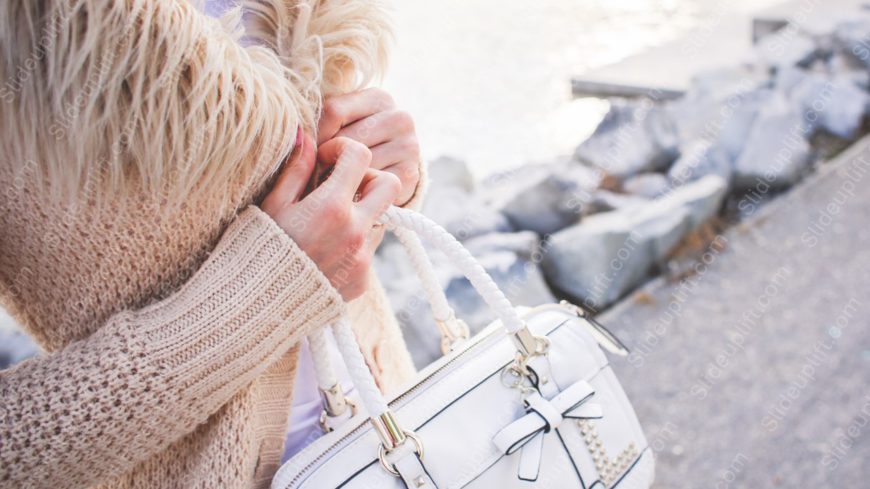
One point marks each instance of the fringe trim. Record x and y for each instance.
(330, 46)
(101, 95)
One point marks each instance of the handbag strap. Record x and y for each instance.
(387, 427)
(398, 218)
(452, 330)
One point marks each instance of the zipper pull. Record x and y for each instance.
(601, 334)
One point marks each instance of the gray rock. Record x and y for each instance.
(498, 189)
(415, 318)
(462, 214)
(776, 153)
(521, 280)
(786, 47)
(789, 77)
(605, 200)
(647, 185)
(524, 244)
(702, 198)
(848, 68)
(698, 159)
(661, 230)
(599, 260)
(554, 202)
(736, 117)
(452, 202)
(719, 83)
(607, 255)
(632, 138)
(447, 171)
(851, 38)
(391, 261)
(721, 106)
(837, 104)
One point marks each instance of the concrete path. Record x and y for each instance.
(755, 371)
(724, 40)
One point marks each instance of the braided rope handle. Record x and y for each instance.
(441, 310)
(371, 397)
(323, 370)
(405, 223)
(398, 218)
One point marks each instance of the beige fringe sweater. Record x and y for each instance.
(169, 324)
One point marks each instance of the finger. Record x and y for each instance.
(394, 152)
(373, 240)
(296, 172)
(349, 161)
(380, 127)
(401, 158)
(341, 110)
(379, 189)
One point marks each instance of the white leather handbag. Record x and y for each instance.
(530, 401)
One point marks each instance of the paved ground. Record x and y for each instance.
(725, 39)
(756, 371)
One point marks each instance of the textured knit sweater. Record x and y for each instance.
(170, 331)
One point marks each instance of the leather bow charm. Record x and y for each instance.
(543, 416)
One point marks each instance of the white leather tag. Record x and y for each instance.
(411, 469)
(530, 459)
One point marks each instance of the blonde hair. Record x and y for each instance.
(105, 94)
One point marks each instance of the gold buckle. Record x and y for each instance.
(392, 437)
(382, 452)
(324, 416)
(453, 331)
(335, 403)
(530, 345)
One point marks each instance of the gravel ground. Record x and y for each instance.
(755, 371)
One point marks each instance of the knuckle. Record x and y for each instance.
(392, 182)
(410, 173)
(403, 120)
(356, 238)
(355, 150)
(332, 110)
(383, 98)
(411, 147)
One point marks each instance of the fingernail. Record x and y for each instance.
(298, 134)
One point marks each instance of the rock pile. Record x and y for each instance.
(594, 226)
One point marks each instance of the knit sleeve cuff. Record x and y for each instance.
(253, 299)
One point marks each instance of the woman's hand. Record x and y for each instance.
(370, 117)
(335, 223)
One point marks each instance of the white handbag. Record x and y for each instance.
(530, 401)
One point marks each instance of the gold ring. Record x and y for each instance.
(382, 452)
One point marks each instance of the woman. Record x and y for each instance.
(138, 137)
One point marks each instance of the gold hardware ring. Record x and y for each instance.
(324, 416)
(382, 452)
